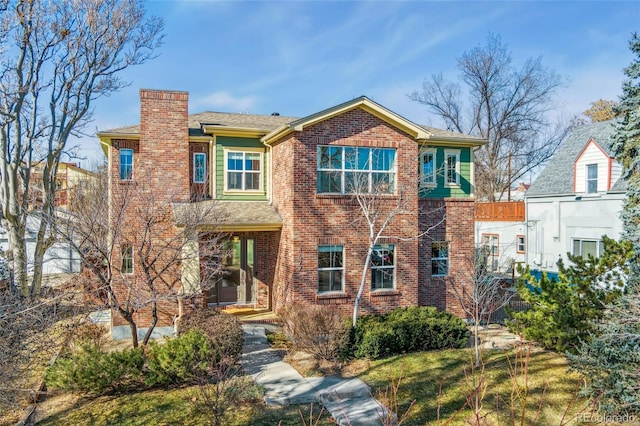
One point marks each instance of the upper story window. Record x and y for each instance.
(428, 168)
(440, 259)
(343, 170)
(383, 267)
(452, 167)
(126, 164)
(243, 170)
(592, 178)
(330, 268)
(199, 167)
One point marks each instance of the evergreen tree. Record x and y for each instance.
(627, 150)
(610, 358)
(564, 310)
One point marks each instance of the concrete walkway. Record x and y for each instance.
(348, 400)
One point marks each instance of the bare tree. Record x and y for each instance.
(505, 105)
(57, 57)
(485, 295)
(137, 253)
(377, 211)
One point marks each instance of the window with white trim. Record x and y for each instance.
(586, 248)
(383, 267)
(126, 254)
(440, 259)
(126, 164)
(490, 249)
(452, 167)
(592, 178)
(243, 170)
(330, 268)
(344, 169)
(428, 168)
(199, 167)
(521, 244)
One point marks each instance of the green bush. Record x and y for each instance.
(179, 360)
(407, 330)
(90, 370)
(223, 330)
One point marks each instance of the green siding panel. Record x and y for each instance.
(440, 190)
(229, 142)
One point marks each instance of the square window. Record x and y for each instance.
(383, 267)
(440, 259)
(126, 164)
(243, 171)
(330, 268)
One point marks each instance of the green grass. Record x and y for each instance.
(435, 380)
(438, 381)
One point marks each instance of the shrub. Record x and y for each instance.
(407, 330)
(318, 330)
(180, 360)
(90, 370)
(223, 330)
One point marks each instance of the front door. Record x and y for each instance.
(236, 284)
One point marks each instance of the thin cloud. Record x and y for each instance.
(225, 101)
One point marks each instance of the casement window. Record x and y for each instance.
(592, 178)
(490, 248)
(330, 268)
(243, 171)
(584, 248)
(428, 168)
(126, 254)
(452, 167)
(126, 164)
(440, 259)
(383, 267)
(199, 167)
(521, 244)
(344, 170)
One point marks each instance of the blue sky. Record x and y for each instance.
(299, 57)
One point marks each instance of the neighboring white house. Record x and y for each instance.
(576, 199)
(501, 234)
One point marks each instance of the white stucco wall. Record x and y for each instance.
(507, 233)
(554, 222)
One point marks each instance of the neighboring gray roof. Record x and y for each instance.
(228, 215)
(557, 177)
(244, 121)
(448, 134)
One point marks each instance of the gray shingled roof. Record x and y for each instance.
(266, 123)
(557, 177)
(228, 214)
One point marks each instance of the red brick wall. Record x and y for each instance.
(160, 175)
(311, 219)
(452, 220)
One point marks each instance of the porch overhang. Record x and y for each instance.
(228, 216)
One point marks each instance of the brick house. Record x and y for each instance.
(285, 187)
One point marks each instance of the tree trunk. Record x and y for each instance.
(363, 280)
(154, 321)
(128, 317)
(18, 258)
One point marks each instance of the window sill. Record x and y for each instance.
(386, 292)
(243, 192)
(334, 195)
(332, 295)
(439, 276)
(452, 185)
(428, 185)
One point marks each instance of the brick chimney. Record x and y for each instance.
(164, 142)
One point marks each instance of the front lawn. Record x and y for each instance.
(436, 380)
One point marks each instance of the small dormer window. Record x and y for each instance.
(592, 178)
